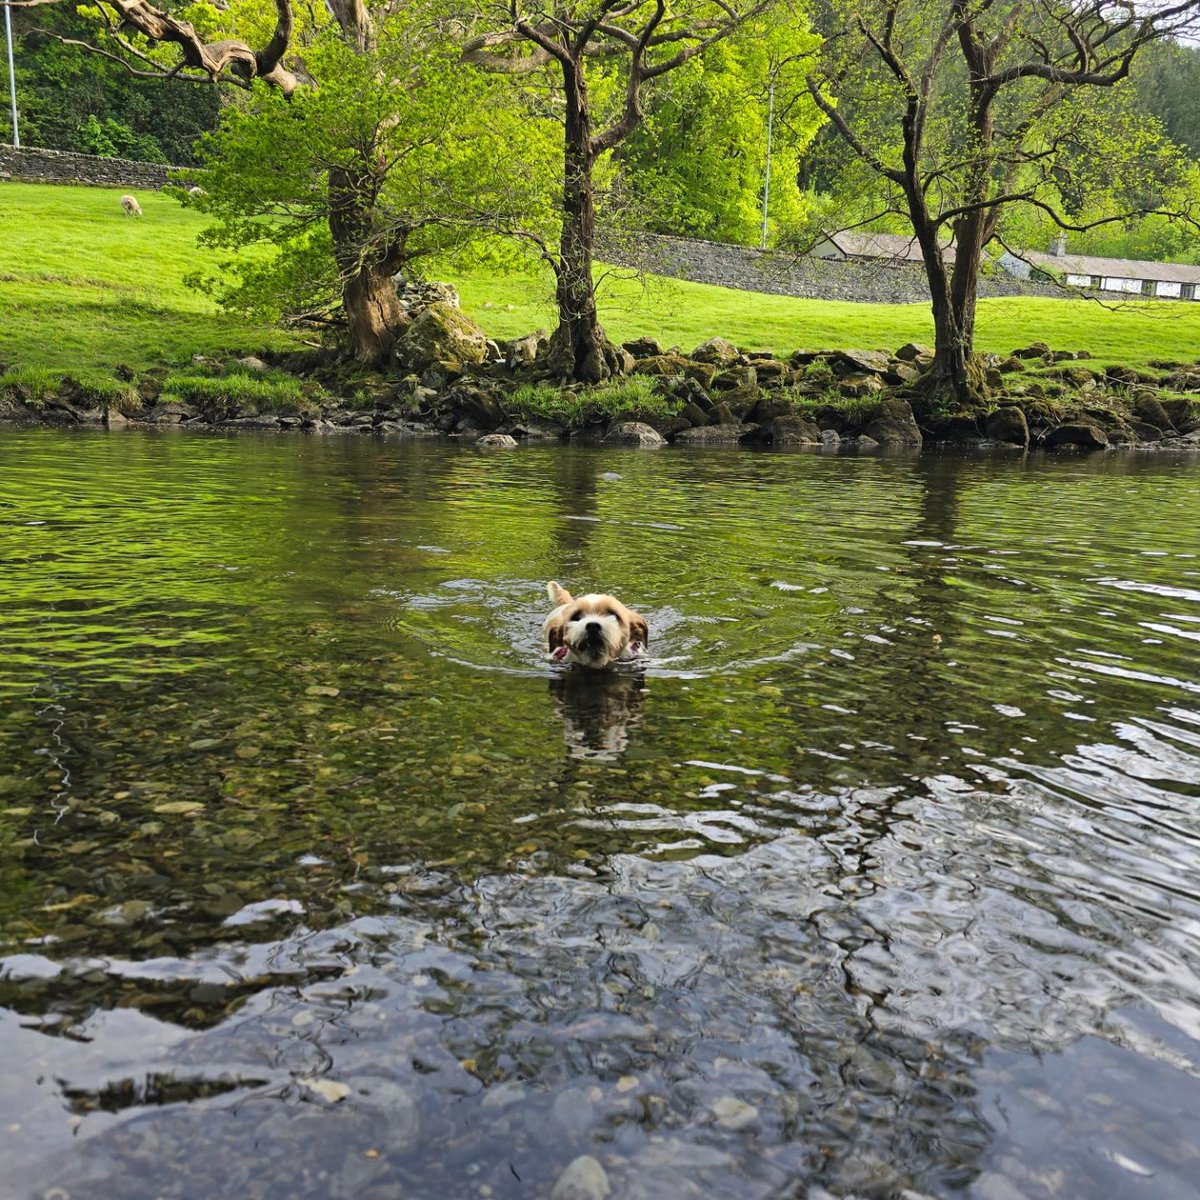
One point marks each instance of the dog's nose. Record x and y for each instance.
(592, 627)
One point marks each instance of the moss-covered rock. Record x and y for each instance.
(442, 336)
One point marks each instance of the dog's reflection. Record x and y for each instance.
(598, 709)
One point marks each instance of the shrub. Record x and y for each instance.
(103, 391)
(635, 396)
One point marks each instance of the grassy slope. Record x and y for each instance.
(83, 287)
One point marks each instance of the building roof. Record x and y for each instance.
(899, 247)
(1112, 268)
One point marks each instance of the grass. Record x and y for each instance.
(631, 398)
(686, 314)
(85, 289)
(238, 391)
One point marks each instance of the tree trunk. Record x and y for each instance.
(579, 348)
(374, 314)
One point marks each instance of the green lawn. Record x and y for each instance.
(85, 288)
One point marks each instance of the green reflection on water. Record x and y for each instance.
(237, 669)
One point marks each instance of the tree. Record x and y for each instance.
(646, 41)
(964, 109)
(695, 165)
(398, 155)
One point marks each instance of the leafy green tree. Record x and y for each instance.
(395, 155)
(696, 164)
(953, 113)
(640, 41)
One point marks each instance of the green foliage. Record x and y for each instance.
(630, 397)
(105, 391)
(696, 163)
(71, 99)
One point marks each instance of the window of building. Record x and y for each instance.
(1097, 281)
(1147, 287)
(1188, 292)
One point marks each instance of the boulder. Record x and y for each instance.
(693, 414)
(533, 430)
(634, 433)
(740, 401)
(793, 431)
(526, 349)
(1149, 408)
(1119, 374)
(860, 385)
(893, 424)
(770, 407)
(670, 364)
(1008, 424)
(1145, 432)
(1007, 366)
(716, 350)
(1033, 350)
(643, 347)
(852, 362)
(711, 435)
(442, 336)
(830, 439)
(476, 406)
(914, 352)
(902, 372)
(1083, 437)
(1183, 413)
(769, 370)
(735, 377)
(253, 363)
(497, 441)
(722, 414)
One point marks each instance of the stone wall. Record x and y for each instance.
(785, 274)
(60, 166)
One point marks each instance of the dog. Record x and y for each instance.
(594, 631)
(131, 206)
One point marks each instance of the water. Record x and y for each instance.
(316, 881)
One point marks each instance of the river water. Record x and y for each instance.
(880, 879)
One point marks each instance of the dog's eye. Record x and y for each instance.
(575, 616)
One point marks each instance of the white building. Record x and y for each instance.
(1127, 276)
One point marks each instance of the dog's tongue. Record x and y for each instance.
(559, 653)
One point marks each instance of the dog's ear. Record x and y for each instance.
(558, 594)
(639, 631)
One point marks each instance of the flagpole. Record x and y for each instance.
(12, 75)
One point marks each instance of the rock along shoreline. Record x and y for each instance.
(449, 380)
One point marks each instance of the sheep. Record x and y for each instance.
(131, 206)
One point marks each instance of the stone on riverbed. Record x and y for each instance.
(1083, 437)
(634, 433)
(583, 1179)
(497, 441)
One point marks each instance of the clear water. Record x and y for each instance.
(317, 881)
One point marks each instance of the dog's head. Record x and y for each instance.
(593, 630)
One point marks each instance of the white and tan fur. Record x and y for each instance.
(131, 206)
(594, 631)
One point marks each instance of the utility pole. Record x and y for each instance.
(12, 75)
(767, 181)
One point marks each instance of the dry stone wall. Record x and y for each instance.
(61, 166)
(785, 274)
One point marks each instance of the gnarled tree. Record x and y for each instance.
(963, 109)
(644, 39)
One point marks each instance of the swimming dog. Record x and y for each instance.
(594, 631)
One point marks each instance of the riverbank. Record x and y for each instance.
(452, 381)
